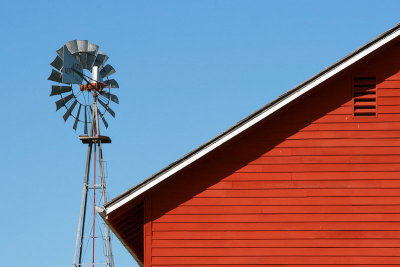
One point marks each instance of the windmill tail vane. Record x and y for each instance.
(83, 82)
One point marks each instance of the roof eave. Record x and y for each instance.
(254, 118)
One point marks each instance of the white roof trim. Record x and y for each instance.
(256, 119)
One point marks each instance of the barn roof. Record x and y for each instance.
(252, 119)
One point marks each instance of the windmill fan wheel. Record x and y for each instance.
(82, 79)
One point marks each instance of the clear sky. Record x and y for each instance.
(187, 70)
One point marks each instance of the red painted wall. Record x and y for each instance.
(310, 186)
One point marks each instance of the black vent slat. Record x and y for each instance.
(357, 79)
(366, 107)
(364, 85)
(366, 114)
(365, 99)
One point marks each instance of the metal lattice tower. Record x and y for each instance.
(92, 247)
(94, 141)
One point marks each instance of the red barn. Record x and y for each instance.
(311, 179)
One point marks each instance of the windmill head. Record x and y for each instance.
(82, 76)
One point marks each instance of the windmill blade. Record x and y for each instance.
(55, 76)
(90, 60)
(57, 63)
(85, 127)
(111, 83)
(107, 108)
(72, 46)
(69, 110)
(59, 89)
(91, 55)
(104, 120)
(82, 45)
(106, 71)
(60, 103)
(112, 97)
(100, 59)
(83, 60)
(93, 48)
(60, 52)
(77, 117)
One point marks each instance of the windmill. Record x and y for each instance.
(83, 82)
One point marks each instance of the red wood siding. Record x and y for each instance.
(311, 186)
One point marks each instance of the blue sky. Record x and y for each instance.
(187, 71)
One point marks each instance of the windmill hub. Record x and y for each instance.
(92, 86)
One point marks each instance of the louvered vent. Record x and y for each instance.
(364, 95)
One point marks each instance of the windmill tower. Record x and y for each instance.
(83, 84)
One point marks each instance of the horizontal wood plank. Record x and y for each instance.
(281, 217)
(280, 265)
(350, 142)
(350, 124)
(311, 176)
(279, 226)
(277, 243)
(306, 259)
(294, 201)
(277, 235)
(340, 134)
(333, 151)
(281, 251)
(317, 167)
(288, 209)
(362, 183)
(301, 192)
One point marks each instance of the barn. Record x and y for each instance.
(310, 179)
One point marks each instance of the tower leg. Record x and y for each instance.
(110, 261)
(82, 216)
